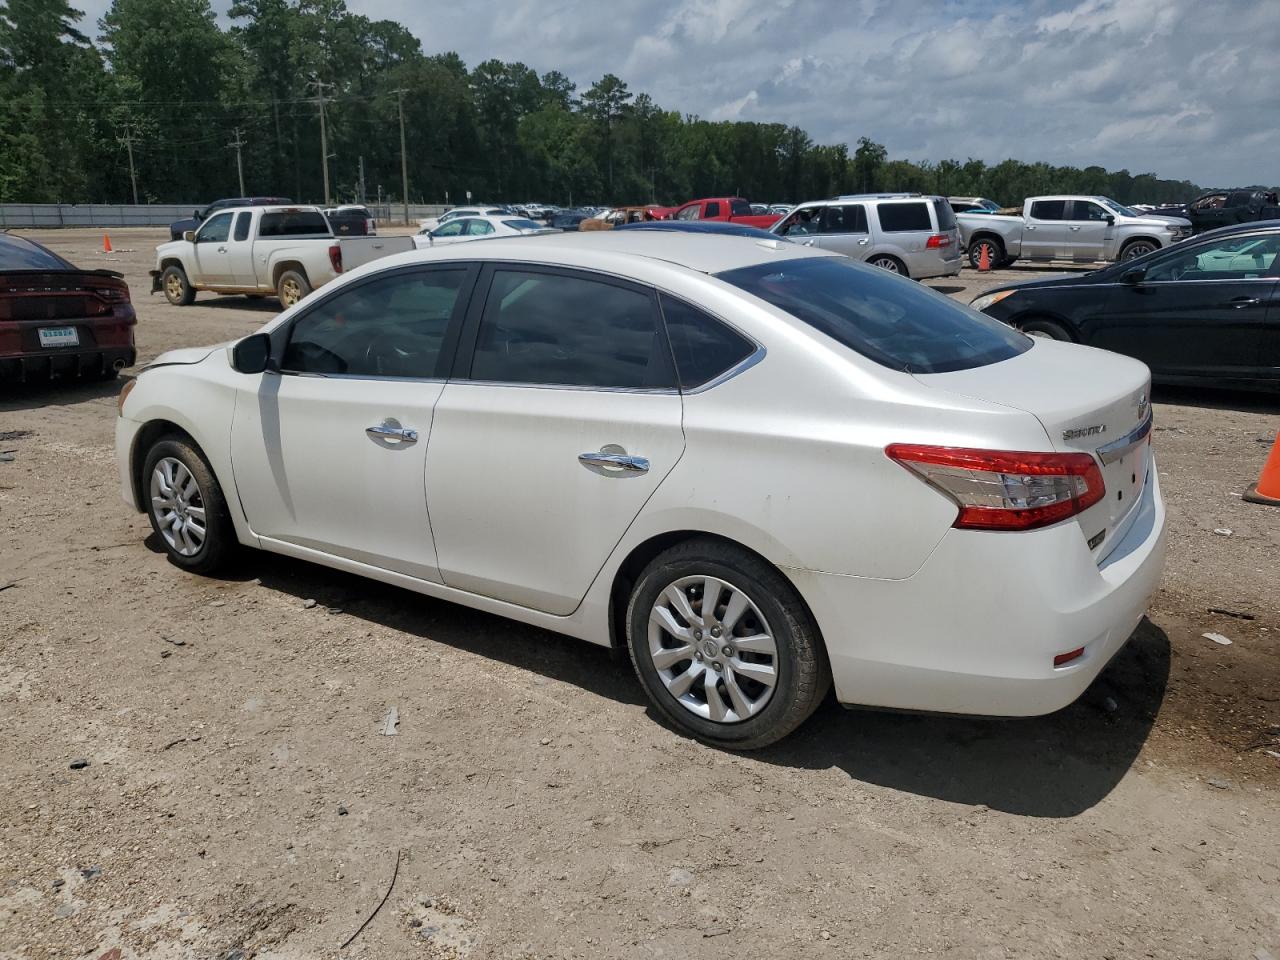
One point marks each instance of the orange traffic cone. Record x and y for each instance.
(1267, 489)
(106, 243)
(984, 258)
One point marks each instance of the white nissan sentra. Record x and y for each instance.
(764, 469)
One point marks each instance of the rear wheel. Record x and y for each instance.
(177, 289)
(886, 262)
(292, 287)
(1045, 330)
(724, 646)
(994, 249)
(186, 506)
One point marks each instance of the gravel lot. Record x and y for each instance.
(240, 801)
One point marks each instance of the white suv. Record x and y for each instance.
(906, 233)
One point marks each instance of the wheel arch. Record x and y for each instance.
(152, 432)
(1142, 238)
(643, 553)
(168, 262)
(1049, 316)
(279, 269)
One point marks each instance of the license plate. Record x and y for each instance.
(59, 337)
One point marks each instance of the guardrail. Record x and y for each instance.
(157, 214)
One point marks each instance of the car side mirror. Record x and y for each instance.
(1110, 219)
(189, 236)
(1134, 277)
(252, 354)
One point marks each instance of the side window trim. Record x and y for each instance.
(280, 335)
(470, 330)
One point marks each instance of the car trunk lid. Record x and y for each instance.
(1088, 401)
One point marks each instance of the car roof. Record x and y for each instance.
(699, 226)
(607, 249)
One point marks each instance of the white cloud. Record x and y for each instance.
(1183, 88)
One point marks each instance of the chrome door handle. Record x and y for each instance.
(390, 430)
(1075, 228)
(618, 461)
(863, 242)
(1241, 302)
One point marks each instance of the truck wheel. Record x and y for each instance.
(1045, 330)
(995, 252)
(1137, 248)
(292, 287)
(177, 289)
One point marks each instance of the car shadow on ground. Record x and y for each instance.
(1253, 401)
(55, 393)
(1053, 766)
(240, 303)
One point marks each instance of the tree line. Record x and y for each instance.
(164, 91)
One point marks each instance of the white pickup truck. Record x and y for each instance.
(286, 251)
(1083, 229)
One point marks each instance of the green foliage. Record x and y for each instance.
(164, 75)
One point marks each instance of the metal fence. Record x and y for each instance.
(156, 214)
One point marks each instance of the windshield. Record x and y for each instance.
(893, 321)
(1118, 207)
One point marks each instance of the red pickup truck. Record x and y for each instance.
(726, 210)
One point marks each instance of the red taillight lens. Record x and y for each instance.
(938, 240)
(335, 258)
(1004, 490)
(1065, 658)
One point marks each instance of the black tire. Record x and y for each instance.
(803, 673)
(1008, 262)
(219, 544)
(995, 252)
(1138, 247)
(291, 287)
(177, 289)
(1045, 328)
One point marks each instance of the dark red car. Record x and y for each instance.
(57, 320)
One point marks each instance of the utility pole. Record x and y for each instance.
(404, 158)
(127, 140)
(324, 135)
(361, 178)
(236, 144)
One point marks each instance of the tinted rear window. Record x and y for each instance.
(703, 347)
(1049, 210)
(521, 224)
(902, 217)
(946, 216)
(299, 223)
(893, 321)
(19, 254)
(740, 208)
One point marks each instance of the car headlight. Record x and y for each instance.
(124, 394)
(987, 299)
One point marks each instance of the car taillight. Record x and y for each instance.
(335, 257)
(938, 240)
(1003, 490)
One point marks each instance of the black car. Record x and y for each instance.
(1203, 310)
(179, 227)
(1225, 208)
(567, 219)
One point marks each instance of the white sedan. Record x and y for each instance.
(477, 228)
(762, 469)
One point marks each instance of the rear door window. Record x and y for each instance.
(243, 220)
(1088, 210)
(294, 223)
(1049, 210)
(713, 210)
(478, 228)
(740, 208)
(844, 219)
(704, 347)
(904, 217)
(895, 322)
(553, 328)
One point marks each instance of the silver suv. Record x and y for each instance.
(907, 233)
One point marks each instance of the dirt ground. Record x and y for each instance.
(239, 799)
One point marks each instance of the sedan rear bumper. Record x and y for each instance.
(976, 629)
(70, 364)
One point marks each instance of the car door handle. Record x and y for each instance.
(617, 461)
(1075, 228)
(863, 242)
(222, 249)
(390, 430)
(1241, 302)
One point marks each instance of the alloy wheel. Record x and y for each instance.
(713, 649)
(885, 263)
(290, 292)
(1137, 250)
(178, 506)
(173, 286)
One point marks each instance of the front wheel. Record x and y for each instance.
(177, 289)
(724, 646)
(186, 506)
(1045, 330)
(1137, 248)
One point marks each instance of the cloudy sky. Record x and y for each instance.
(1182, 88)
